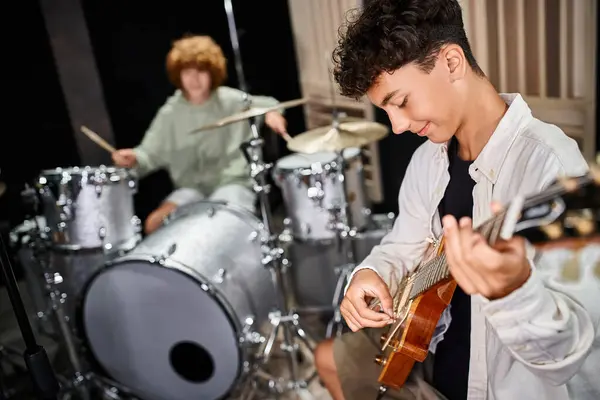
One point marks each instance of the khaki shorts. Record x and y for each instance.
(354, 355)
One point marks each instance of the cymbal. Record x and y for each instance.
(329, 138)
(252, 112)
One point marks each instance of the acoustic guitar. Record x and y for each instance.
(567, 209)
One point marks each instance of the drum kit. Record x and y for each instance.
(195, 309)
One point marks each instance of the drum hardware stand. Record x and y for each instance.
(273, 258)
(36, 359)
(345, 232)
(273, 253)
(81, 381)
(341, 221)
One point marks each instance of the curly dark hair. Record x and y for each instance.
(388, 34)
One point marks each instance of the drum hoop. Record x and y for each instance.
(306, 171)
(124, 245)
(238, 211)
(178, 267)
(116, 174)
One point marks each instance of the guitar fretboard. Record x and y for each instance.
(436, 270)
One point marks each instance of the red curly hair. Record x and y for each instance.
(200, 52)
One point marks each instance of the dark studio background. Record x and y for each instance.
(130, 41)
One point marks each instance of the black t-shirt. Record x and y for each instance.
(451, 360)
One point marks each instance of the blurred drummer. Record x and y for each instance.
(208, 164)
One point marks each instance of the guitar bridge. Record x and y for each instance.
(391, 339)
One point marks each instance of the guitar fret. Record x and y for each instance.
(436, 270)
(486, 229)
(498, 222)
(428, 275)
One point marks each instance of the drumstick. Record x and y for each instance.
(97, 139)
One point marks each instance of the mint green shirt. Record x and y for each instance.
(203, 160)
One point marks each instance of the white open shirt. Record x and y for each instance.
(529, 344)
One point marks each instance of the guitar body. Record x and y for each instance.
(416, 334)
(412, 335)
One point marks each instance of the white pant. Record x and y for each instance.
(234, 193)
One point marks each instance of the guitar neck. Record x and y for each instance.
(436, 270)
(567, 209)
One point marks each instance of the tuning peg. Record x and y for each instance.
(553, 230)
(582, 221)
(584, 226)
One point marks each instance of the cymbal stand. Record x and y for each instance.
(274, 258)
(345, 232)
(341, 221)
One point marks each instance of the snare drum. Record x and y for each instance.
(174, 318)
(303, 178)
(89, 208)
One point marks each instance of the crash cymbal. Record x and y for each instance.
(252, 112)
(330, 138)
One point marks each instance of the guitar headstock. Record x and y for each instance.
(568, 209)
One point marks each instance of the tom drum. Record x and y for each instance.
(311, 186)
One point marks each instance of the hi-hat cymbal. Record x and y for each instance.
(252, 112)
(329, 138)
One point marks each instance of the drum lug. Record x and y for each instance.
(161, 259)
(316, 194)
(62, 226)
(132, 183)
(219, 276)
(249, 335)
(66, 210)
(102, 233)
(53, 279)
(137, 224)
(286, 235)
(253, 236)
(271, 254)
(207, 288)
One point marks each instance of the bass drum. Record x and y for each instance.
(168, 319)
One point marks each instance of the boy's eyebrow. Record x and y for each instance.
(388, 97)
